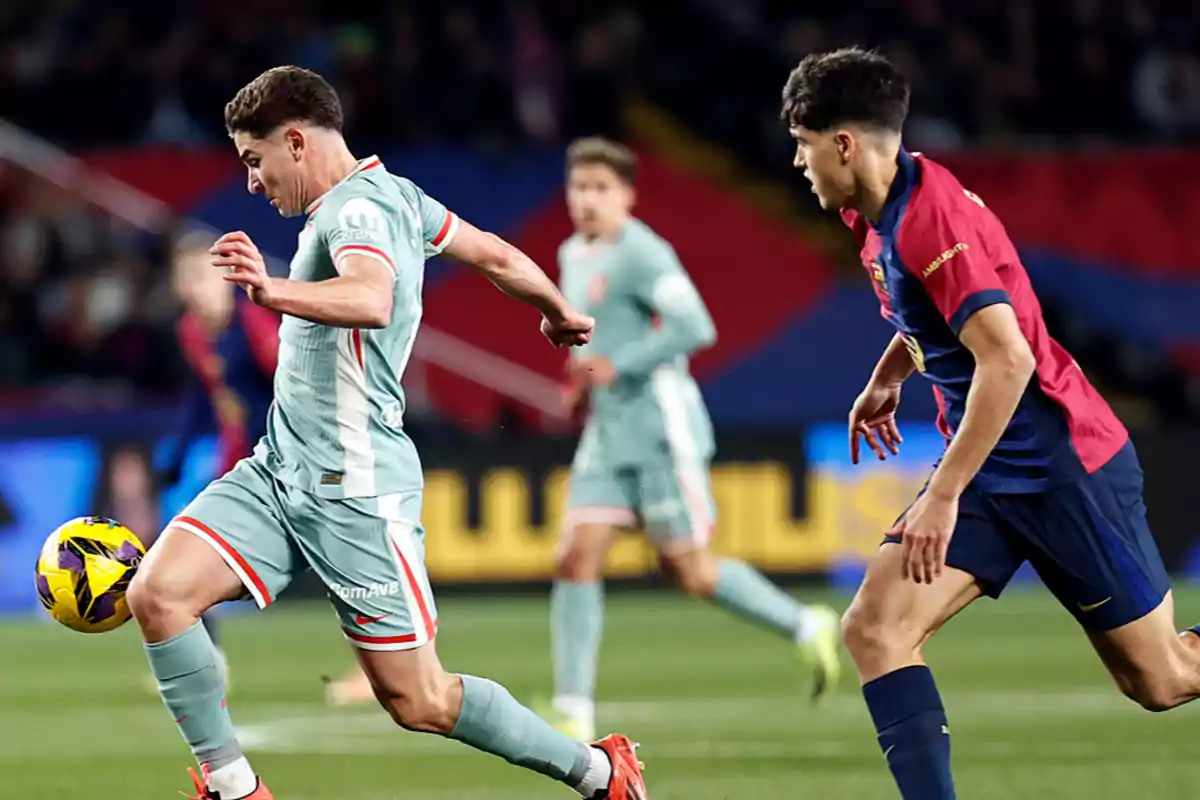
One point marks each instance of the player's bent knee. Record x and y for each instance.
(872, 644)
(582, 556)
(694, 572)
(182, 578)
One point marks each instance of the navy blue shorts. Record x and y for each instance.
(1089, 542)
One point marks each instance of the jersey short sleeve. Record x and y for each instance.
(438, 223)
(943, 249)
(361, 227)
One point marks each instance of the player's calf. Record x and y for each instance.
(181, 578)
(415, 690)
(420, 695)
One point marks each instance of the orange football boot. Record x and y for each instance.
(627, 782)
(203, 792)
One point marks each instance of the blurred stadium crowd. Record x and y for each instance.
(84, 297)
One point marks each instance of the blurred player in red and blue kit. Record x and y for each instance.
(1037, 467)
(231, 346)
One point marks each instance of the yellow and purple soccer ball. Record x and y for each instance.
(84, 570)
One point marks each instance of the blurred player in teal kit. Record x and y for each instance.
(1037, 466)
(643, 458)
(231, 347)
(336, 487)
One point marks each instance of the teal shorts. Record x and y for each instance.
(368, 551)
(672, 502)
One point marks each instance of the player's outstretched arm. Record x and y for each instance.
(1004, 364)
(519, 277)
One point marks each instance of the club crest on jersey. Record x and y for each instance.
(597, 289)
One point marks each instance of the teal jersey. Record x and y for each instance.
(649, 320)
(336, 428)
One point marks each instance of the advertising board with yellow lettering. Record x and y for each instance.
(795, 505)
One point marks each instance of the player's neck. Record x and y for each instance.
(609, 234)
(329, 169)
(875, 186)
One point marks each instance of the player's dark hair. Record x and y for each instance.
(845, 86)
(598, 150)
(281, 95)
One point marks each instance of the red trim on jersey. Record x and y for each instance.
(441, 234)
(348, 250)
(356, 338)
(235, 555)
(372, 164)
(418, 592)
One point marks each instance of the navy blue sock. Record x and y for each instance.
(911, 723)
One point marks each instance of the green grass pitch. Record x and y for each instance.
(719, 708)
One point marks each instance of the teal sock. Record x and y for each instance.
(194, 692)
(492, 721)
(744, 591)
(576, 625)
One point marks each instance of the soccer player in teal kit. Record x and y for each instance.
(335, 486)
(1037, 466)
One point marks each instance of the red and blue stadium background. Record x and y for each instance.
(1098, 233)
(796, 337)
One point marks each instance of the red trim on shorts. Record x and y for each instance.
(407, 638)
(235, 555)
(426, 618)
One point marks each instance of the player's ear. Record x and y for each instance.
(293, 139)
(844, 143)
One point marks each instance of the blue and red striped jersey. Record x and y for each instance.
(936, 256)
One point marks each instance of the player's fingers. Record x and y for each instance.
(248, 251)
(856, 432)
(885, 436)
(919, 559)
(873, 443)
(891, 437)
(895, 431)
(932, 550)
(943, 548)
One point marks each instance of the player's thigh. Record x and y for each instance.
(891, 618)
(1149, 661)
(370, 554)
(677, 507)
(601, 502)
(1091, 544)
(231, 539)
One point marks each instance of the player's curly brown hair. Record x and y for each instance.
(598, 150)
(850, 85)
(281, 95)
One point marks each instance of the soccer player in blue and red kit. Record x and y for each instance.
(1037, 468)
(231, 346)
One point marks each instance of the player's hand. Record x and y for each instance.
(925, 532)
(236, 252)
(568, 329)
(594, 373)
(873, 418)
